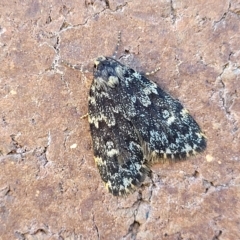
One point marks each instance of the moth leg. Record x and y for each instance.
(84, 116)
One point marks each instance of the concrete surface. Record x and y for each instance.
(49, 185)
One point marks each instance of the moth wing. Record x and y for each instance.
(165, 128)
(117, 148)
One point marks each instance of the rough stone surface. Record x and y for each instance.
(49, 185)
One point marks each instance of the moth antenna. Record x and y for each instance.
(118, 43)
(152, 72)
(75, 67)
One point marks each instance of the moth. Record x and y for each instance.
(133, 124)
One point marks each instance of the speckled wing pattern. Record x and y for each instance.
(133, 123)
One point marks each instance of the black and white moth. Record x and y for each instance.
(134, 123)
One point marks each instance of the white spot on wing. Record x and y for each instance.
(170, 120)
(112, 152)
(101, 117)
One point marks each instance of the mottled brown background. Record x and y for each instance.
(49, 185)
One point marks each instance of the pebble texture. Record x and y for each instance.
(49, 185)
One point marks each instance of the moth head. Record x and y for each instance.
(97, 62)
(104, 72)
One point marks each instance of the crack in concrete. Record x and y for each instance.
(133, 230)
(177, 236)
(38, 233)
(41, 155)
(217, 235)
(18, 152)
(66, 136)
(4, 122)
(96, 227)
(5, 191)
(107, 3)
(216, 23)
(15, 156)
(173, 12)
(218, 187)
(67, 26)
(42, 152)
(17, 148)
(207, 184)
(135, 225)
(227, 99)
